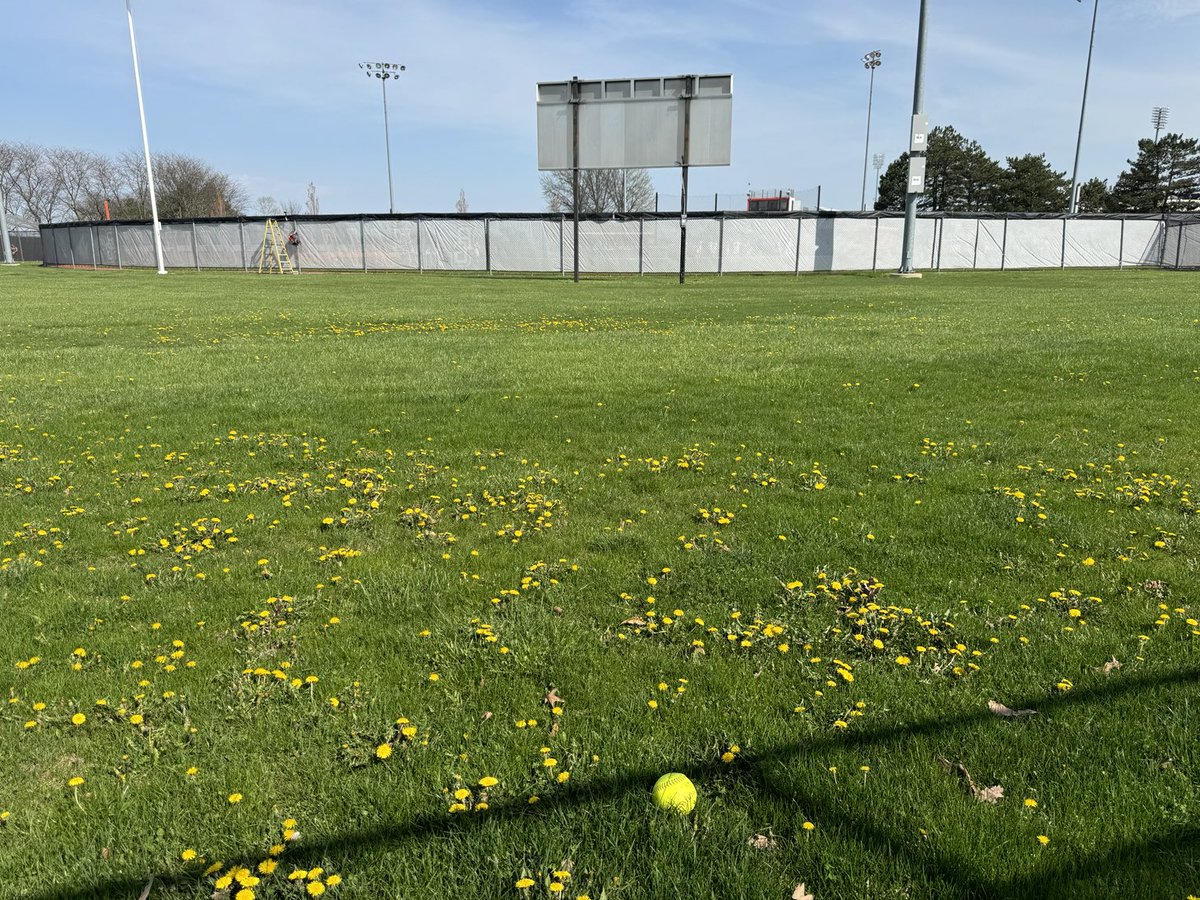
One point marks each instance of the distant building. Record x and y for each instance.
(772, 200)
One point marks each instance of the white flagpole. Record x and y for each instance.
(137, 78)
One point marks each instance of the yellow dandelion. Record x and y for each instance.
(78, 719)
(524, 883)
(235, 798)
(383, 751)
(188, 855)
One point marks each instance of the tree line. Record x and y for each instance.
(54, 184)
(961, 177)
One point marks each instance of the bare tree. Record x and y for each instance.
(48, 184)
(461, 205)
(268, 205)
(313, 206)
(600, 190)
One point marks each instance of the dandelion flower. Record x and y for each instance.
(1043, 840)
(315, 889)
(808, 826)
(188, 854)
(235, 798)
(75, 782)
(383, 751)
(1031, 803)
(524, 883)
(78, 719)
(488, 781)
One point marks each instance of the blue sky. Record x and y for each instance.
(270, 91)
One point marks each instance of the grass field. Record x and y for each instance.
(391, 586)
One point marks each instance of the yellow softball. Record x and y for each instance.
(675, 791)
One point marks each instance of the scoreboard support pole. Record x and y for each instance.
(575, 168)
(683, 200)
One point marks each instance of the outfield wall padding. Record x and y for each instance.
(645, 243)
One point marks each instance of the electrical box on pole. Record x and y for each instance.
(919, 140)
(916, 175)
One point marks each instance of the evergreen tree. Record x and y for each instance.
(1164, 176)
(1028, 184)
(959, 176)
(1094, 196)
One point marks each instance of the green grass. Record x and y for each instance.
(904, 434)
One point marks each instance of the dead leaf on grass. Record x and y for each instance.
(1001, 710)
(146, 890)
(993, 794)
(800, 893)
(762, 841)
(1109, 666)
(552, 699)
(635, 620)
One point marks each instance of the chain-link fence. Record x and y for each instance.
(25, 247)
(641, 243)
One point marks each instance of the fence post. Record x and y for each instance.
(562, 264)
(362, 241)
(117, 240)
(1179, 245)
(875, 246)
(716, 203)
(95, 258)
(487, 244)
(242, 242)
(941, 234)
(720, 245)
(975, 253)
(641, 246)
(420, 262)
(195, 251)
(1004, 244)
(799, 226)
(71, 245)
(1062, 259)
(1121, 246)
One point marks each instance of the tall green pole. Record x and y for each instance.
(910, 199)
(1087, 76)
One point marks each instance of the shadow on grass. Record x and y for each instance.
(953, 874)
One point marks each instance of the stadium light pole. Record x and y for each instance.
(871, 61)
(910, 199)
(1087, 76)
(384, 72)
(1158, 118)
(877, 161)
(137, 80)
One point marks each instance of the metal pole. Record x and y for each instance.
(387, 139)
(818, 198)
(687, 135)
(242, 245)
(867, 146)
(721, 246)
(575, 169)
(8, 260)
(1121, 247)
(487, 244)
(117, 241)
(1083, 107)
(641, 245)
(92, 238)
(910, 199)
(362, 241)
(137, 80)
(195, 249)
